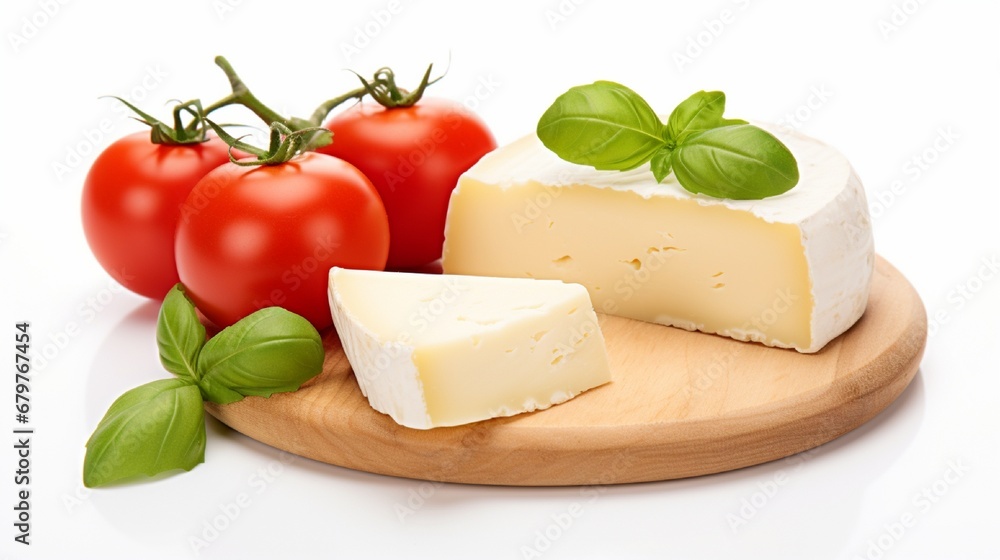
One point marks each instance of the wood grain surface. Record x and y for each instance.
(681, 404)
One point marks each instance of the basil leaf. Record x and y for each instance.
(698, 113)
(179, 334)
(604, 125)
(740, 162)
(153, 428)
(269, 351)
(660, 164)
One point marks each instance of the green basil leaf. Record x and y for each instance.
(698, 113)
(179, 334)
(604, 125)
(740, 162)
(153, 428)
(269, 351)
(660, 164)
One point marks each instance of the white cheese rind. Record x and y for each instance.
(385, 370)
(827, 207)
(840, 251)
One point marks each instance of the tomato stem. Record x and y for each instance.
(243, 96)
(325, 108)
(382, 88)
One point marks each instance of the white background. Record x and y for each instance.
(881, 80)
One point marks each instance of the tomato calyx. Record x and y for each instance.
(284, 143)
(384, 90)
(179, 134)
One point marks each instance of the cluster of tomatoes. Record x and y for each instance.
(241, 238)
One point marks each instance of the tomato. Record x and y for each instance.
(268, 235)
(131, 205)
(413, 156)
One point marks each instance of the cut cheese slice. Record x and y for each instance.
(438, 350)
(791, 271)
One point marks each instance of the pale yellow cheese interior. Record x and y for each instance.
(659, 259)
(479, 347)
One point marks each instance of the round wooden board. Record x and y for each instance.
(681, 404)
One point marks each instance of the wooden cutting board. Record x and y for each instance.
(681, 404)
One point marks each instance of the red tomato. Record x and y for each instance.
(261, 236)
(413, 156)
(131, 201)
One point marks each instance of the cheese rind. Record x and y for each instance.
(791, 271)
(433, 350)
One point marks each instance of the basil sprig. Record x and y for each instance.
(610, 127)
(160, 426)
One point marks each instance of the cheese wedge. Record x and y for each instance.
(436, 350)
(791, 271)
